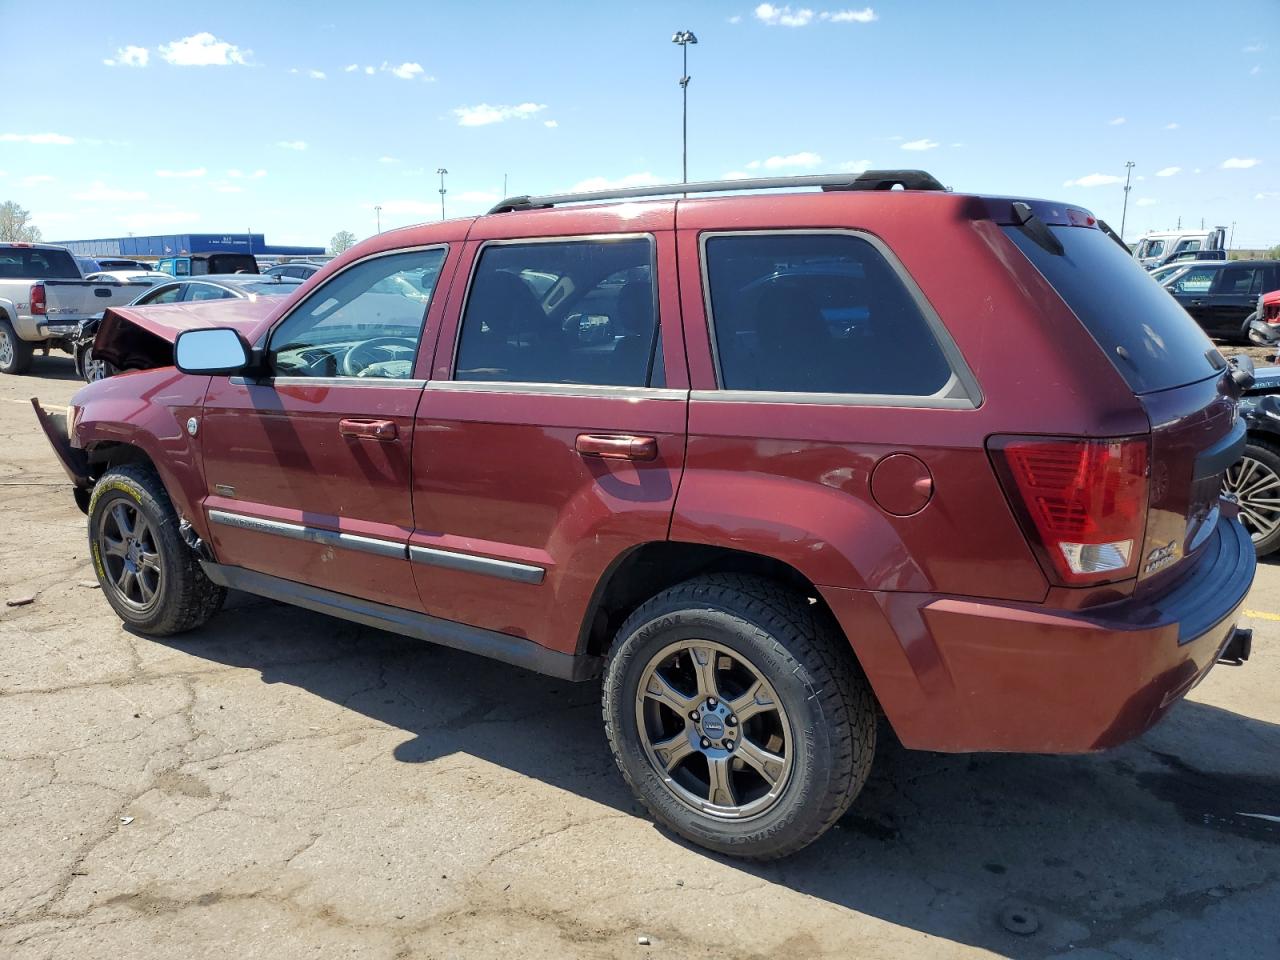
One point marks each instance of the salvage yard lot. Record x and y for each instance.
(281, 784)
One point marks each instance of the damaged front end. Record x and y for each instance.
(75, 462)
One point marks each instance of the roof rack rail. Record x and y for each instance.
(870, 180)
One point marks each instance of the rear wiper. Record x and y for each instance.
(1036, 229)
(1106, 228)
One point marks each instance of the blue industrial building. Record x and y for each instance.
(183, 244)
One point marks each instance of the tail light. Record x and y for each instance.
(1082, 503)
(38, 304)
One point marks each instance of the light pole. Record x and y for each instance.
(442, 171)
(1128, 172)
(377, 212)
(684, 38)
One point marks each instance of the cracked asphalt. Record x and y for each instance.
(283, 785)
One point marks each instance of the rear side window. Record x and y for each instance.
(818, 313)
(571, 312)
(37, 264)
(1149, 338)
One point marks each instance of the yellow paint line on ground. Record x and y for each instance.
(1261, 615)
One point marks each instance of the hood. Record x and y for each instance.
(138, 338)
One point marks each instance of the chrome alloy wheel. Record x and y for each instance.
(1256, 487)
(93, 368)
(6, 349)
(130, 558)
(714, 730)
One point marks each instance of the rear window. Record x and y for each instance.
(30, 263)
(1150, 339)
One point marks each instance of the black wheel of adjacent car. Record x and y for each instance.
(148, 574)
(1244, 328)
(738, 715)
(1254, 480)
(15, 354)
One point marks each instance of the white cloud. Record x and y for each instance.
(551, 124)
(1146, 202)
(1116, 121)
(203, 50)
(604, 183)
(388, 159)
(783, 16)
(36, 178)
(1168, 171)
(735, 19)
(292, 144)
(1267, 195)
(924, 143)
(35, 138)
(961, 144)
(865, 15)
(370, 71)
(157, 221)
(856, 166)
(256, 175)
(1171, 126)
(99, 192)
(1094, 180)
(483, 114)
(406, 71)
(351, 68)
(182, 174)
(1240, 163)
(1255, 48)
(315, 74)
(129, 56)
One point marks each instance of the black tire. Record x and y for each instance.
(183, 598)
(15, 354)
(802, 655)
(1267, 457)
(1244, 328)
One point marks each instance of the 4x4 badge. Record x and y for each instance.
(1161, 557)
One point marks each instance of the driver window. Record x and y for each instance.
(364, 322)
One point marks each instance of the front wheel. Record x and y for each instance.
(737, 714)
(15, 354)
(1254, 481)
(92, 369)
(148, 574)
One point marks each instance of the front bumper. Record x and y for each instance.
(956, 674)
(74, 461)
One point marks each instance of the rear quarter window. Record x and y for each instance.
(1149, 338)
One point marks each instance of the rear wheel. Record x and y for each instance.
(148, 574)
(93, 369)
(738, 716)
(15, 354)
(1254, 480)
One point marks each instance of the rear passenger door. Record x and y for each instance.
(551, 435)
(1231, 299)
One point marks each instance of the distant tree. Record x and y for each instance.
(341, 241)
(16, 225)
(1274, 253)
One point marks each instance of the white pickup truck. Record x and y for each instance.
(44, 299)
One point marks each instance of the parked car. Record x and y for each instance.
(240, 286)
(770, 474)
(1160, 247)
(43, 299)
(88, 265)
(120, 263)
(1222, 297)
(148, 277)
(1254, 480)
(299, 269)
(202, 264)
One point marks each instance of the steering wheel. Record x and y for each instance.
(377, 350)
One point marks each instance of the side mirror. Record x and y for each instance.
(216, 351)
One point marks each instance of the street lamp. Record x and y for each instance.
(377, 211)
(442, 171)
(1128, 172)
(684, 38)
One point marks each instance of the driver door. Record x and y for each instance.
(307, 469)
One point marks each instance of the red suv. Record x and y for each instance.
(773, 464)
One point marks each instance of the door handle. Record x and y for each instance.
(368, 429)
(617, 446)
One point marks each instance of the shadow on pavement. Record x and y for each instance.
(1118, 847)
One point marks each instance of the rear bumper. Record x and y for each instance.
(956, 674)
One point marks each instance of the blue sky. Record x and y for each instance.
(295, 119)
